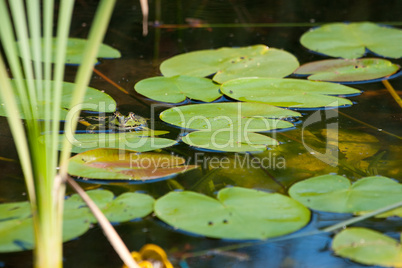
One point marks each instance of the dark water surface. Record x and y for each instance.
(175, 29)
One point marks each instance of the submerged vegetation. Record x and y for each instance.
(258, 97)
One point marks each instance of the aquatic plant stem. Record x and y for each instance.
(251, 25)
(370, 126)
(392, 91)
(110, 81)
(108, 229)
(379, 211)
(145, 11)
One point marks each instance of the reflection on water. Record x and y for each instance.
(181, 26)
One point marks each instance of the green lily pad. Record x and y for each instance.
(344, 70)
(115, 164)
(368, 247)
(334, 193)
(125, 207)
(16, 227)
(16, 235)
(229, 141)
(350, 40)
(75, 50)
(177, 88)
(16, 210)
(140, 141)
(287, 92)
(129, 206)
(235, 116)
(95, 100)
(100, 197)
(229, 63)
(237, 213)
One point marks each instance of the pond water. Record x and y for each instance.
(371, 126)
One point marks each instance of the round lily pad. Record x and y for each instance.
(125, 207)
(177, 88)
(115, 164)
(229, 63)
(350, 40)
(16, 235)
(94, 100)
(368, 247)
(75, 50)
(236, 116)
(129, 206)
(237, 213)
(334, 193)
(288, 92)
(140, 141)
(229, 141)
(15, 210)
(345, 70)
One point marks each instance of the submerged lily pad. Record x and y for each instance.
(354, 145)
(350, 40)
(16, 227)
(140, 141)
(115, 164)
(237, 213)
(95, 100)
(229, 63)
(344, 70)
(334, 193)
(368, 247)
(229, 141)
(175, 89)
(75, 50)
(392, 213)
(235, 116)
(288, 92)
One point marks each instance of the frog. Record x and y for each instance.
(129, 122)
(117, 121)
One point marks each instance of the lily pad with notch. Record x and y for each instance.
(76, 48)
(237, 116)
(236, 213)
(125, 207)
(368, 247)
(348, 71)
(230, 63)
(176, 89)
(94, 100)
(229, 141)
(115, 164)
(334, 193)
(140, 141)
(288, 92)
(350, 40)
